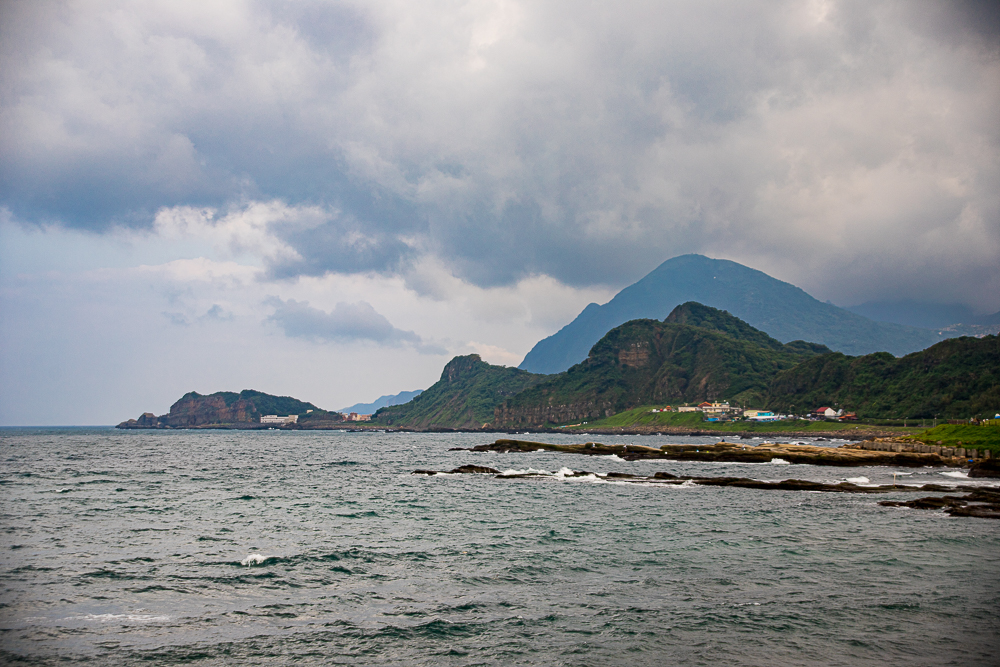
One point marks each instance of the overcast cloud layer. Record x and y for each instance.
(585, 142)
(333, 179)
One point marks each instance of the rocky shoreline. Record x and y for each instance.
(979, 502)
(851, 455)
(148, 424)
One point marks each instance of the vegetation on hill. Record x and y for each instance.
(265, 404)
(699, 353)
(781, 310)
(319, 419)
(954, 379)
(464, 397)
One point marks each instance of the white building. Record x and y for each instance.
(279, 421)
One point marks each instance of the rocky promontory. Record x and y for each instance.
(226, 409)
(846, 455)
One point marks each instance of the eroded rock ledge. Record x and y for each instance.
(848, 455)
(976, 502)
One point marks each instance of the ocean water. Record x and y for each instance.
(225, 548)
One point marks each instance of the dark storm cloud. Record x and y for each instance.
(347, 322)
(588, 143)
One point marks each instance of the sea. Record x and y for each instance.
(322, 548)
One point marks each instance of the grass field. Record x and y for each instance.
(962, 435)
(642, 418)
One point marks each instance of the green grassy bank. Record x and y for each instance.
(644, 419)
(962, 435)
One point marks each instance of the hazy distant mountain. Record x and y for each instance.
(381, 402)
(916, 313)
(949, 319)
(781, 310)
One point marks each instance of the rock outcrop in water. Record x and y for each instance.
(989, 468)
(977, 502)
(847, 455)
(980, 503)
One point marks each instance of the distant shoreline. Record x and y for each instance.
(861, 433)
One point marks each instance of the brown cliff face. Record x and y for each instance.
(462, 368)
(195, 411)
(147, 420)
(635, 355)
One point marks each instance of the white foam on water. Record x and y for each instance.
(253, 559)
(687, 484)
(615, 457)
(529, 471)
(858, 480)
(957, 474)
(779, 462)
(117, 618)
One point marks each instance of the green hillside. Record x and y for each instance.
(954, 379)
(697, 354)
(266, 404)
(464, 397)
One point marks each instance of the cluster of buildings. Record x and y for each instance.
(723, 411)
(830, 413)
(275, 420)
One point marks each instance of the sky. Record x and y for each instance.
(330, 200)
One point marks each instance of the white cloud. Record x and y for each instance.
(347, 322)
(508, 139)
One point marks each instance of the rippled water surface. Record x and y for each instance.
(129, 547)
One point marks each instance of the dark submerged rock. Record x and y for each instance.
(468, 469)
(985, 468)
(479, 470)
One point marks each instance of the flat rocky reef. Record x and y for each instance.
(979, 502)
(730, 452)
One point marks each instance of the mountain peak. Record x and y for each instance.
(463, 367)
(779, 309)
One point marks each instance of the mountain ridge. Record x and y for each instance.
(698, 353)
(780, 309)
